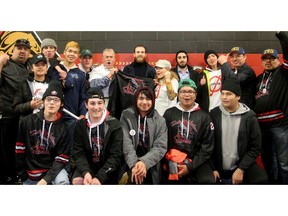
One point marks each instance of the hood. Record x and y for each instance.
(195, 107)
(105, 114)
(243, 108)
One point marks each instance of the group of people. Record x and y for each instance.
(208, 127)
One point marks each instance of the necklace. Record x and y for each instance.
(263, 86)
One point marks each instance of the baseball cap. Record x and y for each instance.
(271, 52)
(37, 58)
(163, 64)
(238, 50)
(86, 52)
(95, 92)
(187, 82)
(22, 42)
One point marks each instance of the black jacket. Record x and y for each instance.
(23, 97)
(11, 79)
(108, 170)
(247, 78)
(249, 140)
(150, 71)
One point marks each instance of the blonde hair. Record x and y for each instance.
(72, 44)
(173, 75)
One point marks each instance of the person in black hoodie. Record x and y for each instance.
(190, 140)
(42, 147)
(97, 149)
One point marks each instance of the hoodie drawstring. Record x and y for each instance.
(188, 125)
(144, 128)
(42, 133)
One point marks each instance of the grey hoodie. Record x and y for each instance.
(230, 130)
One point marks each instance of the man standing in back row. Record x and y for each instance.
(243, 73)
(13, 71)
(139, 67)
(272, 111)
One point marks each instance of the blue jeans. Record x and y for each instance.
(275, 153)
(60, 179)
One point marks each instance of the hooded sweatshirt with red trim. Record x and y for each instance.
(191, 132)
(97, 148)
(42, 148)
(271, 99)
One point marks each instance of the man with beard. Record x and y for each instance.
(139, 67)
(183, 70)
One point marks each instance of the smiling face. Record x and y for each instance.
(237, 59)
(139, 54)
(71, 54)
(39, 69)
(95, 108)
(212, 60)
(144, 103)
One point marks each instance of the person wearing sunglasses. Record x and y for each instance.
(43, 147)
(272, 111)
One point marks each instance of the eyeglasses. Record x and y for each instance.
(50, 99)
(265, 59)
(190, 92)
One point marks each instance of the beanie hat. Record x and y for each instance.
(48, 42)
(187, 82)
(95, 92)
(232, 85)
(207, 53)
(54, 89)
(163, 64)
